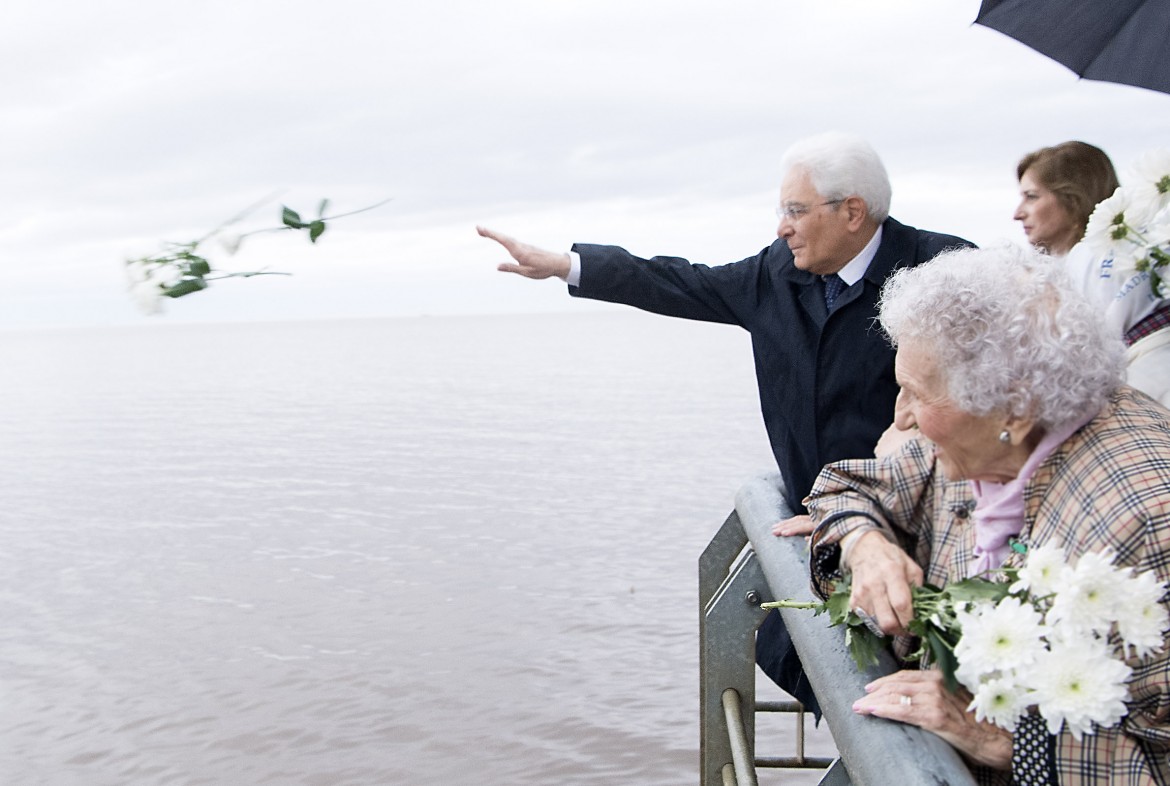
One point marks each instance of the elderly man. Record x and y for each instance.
(825, 371)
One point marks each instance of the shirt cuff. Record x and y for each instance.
(574, 277)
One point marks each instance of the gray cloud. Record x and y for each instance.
(131, 122)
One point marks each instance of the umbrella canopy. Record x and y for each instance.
(1125, 41)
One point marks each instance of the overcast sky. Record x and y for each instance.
(653, 125)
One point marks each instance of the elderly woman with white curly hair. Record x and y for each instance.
(1025, 436)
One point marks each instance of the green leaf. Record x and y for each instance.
(943, 654)
(316, 229)
(976, 589)
(198, 267)
(322, 208)
(838, 604)
(863, 646)
(919, 628)
(185, 287)
(291, 218)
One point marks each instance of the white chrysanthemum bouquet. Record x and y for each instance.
(1130, 231)
(1051, 642)
(1053, 636)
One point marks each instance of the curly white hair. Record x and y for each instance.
(1009, 332)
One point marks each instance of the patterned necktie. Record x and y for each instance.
(833, 287)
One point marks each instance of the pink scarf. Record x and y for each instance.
(999, 507)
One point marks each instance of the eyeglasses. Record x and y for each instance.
(796, 211)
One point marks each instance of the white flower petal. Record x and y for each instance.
(148, 296)
(1089, 602)
(136, 271)
(231, 242)
(1044, 571)
(1077, 683)
(1152, 167)
(1142, 620)
(999, 637)
(1000, 701)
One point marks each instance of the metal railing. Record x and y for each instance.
(744, 566)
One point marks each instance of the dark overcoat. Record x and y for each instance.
(826, 380)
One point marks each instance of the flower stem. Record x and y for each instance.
(791, 604)
(237, 218)
(355, 212)
(246, 274)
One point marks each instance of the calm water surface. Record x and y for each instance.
(425, 551)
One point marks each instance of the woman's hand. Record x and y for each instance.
(921, 699)
(883, 575)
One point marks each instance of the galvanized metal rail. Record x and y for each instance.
(744, 566)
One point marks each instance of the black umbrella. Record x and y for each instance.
(1126, 41)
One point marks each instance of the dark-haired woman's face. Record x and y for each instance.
(1047, 223)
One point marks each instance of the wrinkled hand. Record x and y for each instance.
(921, 699)
(797, 525)
(882, 577)
(531, 262)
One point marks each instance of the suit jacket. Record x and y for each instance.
(826, 381)
(1106, 486)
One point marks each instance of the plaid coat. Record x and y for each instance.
(1107, 486)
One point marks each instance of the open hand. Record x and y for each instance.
(530, 261)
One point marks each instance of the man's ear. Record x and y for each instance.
(856, 212)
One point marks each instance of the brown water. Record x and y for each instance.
(426, 551)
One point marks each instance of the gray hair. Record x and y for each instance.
(842, 165)
(1009, 332)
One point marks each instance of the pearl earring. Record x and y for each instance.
(1005, 437)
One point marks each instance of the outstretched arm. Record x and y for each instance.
(530, 261)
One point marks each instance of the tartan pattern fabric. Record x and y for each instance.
(1107, 486)
(1151, 324)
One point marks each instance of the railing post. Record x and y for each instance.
(741, 745)
(729, 614)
